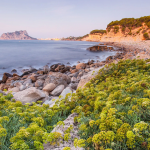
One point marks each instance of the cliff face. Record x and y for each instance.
(17, 35)
(135, 34)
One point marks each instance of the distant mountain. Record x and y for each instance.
(17, 35)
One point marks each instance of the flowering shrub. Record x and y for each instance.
(114, 107)
(113, 113)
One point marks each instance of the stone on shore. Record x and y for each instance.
(49, 87)
(66, 91)
(15, 89)
(5, 77)
(46, 69)
(39, 83)
(22, 87)
(57, 78)
(73, 85)
(29, 95)
(51, 102)
(33, 77)
(57, 91)
(86, 78)
(81, 66)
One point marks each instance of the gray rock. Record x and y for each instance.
(43, 77)
(66, 91)
(27, 81)
(28, 85)
(29, 95)
(39, 83)
(73, 79)
(57, 78)
(58, 90)
(73, 85)
(46, 69)
(17, 84)
(51, 102)
(15, 89)
(22, 87)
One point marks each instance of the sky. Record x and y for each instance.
(63, 18)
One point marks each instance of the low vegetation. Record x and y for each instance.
(146, 36)
(98, 31)
(116, 29)
(131, 22)
(113, 113)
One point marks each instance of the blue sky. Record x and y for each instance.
(62, 18)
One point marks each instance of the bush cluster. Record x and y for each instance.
(116, 29)
(146, 36)
(98, 31)
(131, 22)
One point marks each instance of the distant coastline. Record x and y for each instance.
(17, 35)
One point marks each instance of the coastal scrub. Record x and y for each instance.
(113, 113)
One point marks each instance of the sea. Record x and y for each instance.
(26, 54)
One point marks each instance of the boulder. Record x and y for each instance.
(29, 95)
(5, 77)
(73, 79)
(73, 85)
(17, 84)
(86, 78)
(33, 77)
(40, 72)
(81, 66)
(26, 73)
(57, 91)
(39, 83)
(49, 87)
(52, 101)
(14, 71)
(27, 81)
(22, 87)
(46, 69)
(15, 89)
(73, 70)
(66, 91)
(57, 78)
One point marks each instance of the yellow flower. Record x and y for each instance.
(91, 123)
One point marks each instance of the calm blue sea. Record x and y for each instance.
(25, 54)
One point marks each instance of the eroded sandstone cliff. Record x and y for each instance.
(134, 34)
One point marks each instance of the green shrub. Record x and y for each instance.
(146, 36)
(130, 33)
(131, 22)
(98, 31)
(138, 31)
(116, 29)
(123, 29)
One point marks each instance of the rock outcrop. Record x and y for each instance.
(17, 35)
(29, 95)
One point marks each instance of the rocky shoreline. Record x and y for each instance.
(50, 82)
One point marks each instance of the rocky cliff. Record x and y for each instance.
(17, 35)
(136, 34)
(125, 30)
